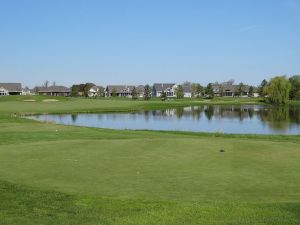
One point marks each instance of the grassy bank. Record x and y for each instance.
(39, 104)
(53, 174)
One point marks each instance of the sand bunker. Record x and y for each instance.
(50, 100)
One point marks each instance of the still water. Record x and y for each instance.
(246, 119)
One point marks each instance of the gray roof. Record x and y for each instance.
(162, 86)
(119, 88)
(230, 87)
(187, 88)
(12, 87)
(140, 88)
(54, 89)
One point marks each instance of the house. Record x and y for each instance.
(54, 91)
(227, 90)
(93, 91)
(256, 92)
(187, 90)
(10, 89)
(27, 91)
(119, 90)
(168, 88)
(217, 89)
(140, 89)
(230, 90)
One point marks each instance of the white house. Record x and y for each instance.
(119, 91)
(169, 89)
(27, 91)
(140, 89)
(187, 90)
(3, 91)
(10, 89)
(94, 91)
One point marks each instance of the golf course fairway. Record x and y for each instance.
(55, 174)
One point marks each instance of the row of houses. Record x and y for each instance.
(232, 90)
(226, 90)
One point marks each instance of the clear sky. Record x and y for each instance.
(146, 41)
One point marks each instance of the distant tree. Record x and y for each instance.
(134, 93)
(74, 90)
(81, 89)
(251, 91)
(163, 96)
(240, 89)
(46, 84)
(199, 90)
(194, 90)
(221, 90)
(147, 92)
(278, 90)
(262, 87)
(209, 91)
(179, 92)
(114, 93)
(87, 88)
(101, 92)
(295, 87)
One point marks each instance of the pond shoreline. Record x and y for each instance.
(229, 119)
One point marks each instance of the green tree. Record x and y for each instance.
(147, 92)
(87, 87)
(221, 90)
(251, 91)
(163, 96)
(193, 87)
(197, 90)
(74, 90)
(114, 93)
(240, 89)
(134, 93)
(209, 91)
(179, 92)
(278, 90)
(295, 87)
(262, 88)
(101, 92)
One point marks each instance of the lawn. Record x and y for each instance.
(53, 174)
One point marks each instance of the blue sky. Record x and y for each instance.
(146, 41)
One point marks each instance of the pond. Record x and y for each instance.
(245, 119)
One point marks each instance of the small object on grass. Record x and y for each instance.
(222, 150)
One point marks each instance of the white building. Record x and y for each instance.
(159, 88)
(10, 89)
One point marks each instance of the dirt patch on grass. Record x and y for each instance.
(50, 100)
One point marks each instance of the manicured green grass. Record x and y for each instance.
(53, 174)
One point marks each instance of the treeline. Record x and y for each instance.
(280, 89)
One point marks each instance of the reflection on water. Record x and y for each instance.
(208, 118)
